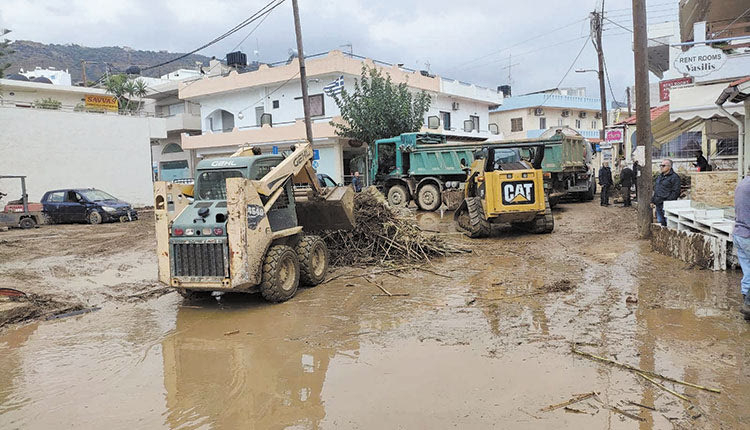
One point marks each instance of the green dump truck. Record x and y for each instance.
(430, 170)
(419, 166)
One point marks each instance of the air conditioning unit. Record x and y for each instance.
(565, 113)
(538, 111)
(598, 115)
(455, 106)
(581, 114)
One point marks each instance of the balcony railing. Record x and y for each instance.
(21, 104)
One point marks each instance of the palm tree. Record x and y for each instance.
(125, 89)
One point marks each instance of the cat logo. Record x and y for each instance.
(518, 193)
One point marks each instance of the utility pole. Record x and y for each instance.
(596, 29)
(643, 117)
(302, 72)
(627, 94)
(83, 72)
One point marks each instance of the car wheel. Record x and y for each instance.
(94, 218)
(27, 223)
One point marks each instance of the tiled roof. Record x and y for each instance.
(655, 113)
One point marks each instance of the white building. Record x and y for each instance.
(67, 141)
(56, 77)
(264, 108)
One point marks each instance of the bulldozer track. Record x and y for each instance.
(473, 222)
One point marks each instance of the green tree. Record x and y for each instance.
(126, 89)
(4, 52)
(377, 108)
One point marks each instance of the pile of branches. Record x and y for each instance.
(383, 234)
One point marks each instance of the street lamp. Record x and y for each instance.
(586, 70)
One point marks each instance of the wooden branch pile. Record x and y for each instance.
(383, 235)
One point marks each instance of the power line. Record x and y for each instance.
(269, 94)
(630, 30)
(492, 62)
(606, 73)
(251, 32)
(254, 17)
(731, 23)
(568, 71)
(516, 44)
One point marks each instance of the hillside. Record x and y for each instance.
(30, 54)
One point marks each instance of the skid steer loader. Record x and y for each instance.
(247, 226)
(505, 185)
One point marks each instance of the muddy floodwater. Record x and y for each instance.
(474, 341)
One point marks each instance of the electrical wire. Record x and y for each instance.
(265, 10)
(251, 32)
(568, 71)
(269, 94)
(630, 30)
(514, 45)
(606, 73)
(731, 23)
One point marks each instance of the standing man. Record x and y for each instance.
(742, 239)
(667, 188)
(626, 181)
(356, 182)
(605, 181)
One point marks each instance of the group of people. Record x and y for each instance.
(666, 187)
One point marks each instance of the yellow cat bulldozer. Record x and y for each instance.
(246, 224)
(505, 185)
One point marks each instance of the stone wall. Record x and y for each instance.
(713, 188)
(695, 248)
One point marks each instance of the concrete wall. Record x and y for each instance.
(713, 188)
(70, 149)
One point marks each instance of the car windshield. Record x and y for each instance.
(212, 184)
(96, 195)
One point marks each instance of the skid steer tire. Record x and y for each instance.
(542, 223)
(471, 219)
(280, 277)
(313, 260)
(428, 198)
(398, 196)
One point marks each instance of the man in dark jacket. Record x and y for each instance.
(605, 181)
(626, 181)
(667, 187)
(701, 163)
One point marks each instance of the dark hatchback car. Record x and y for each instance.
(85, 205)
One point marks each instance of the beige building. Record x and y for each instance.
(263, 107)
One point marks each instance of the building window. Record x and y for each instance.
(685, 145)
(445, 118)
(594, 125)
(275, 104)
(317, 108)
(560, 122)
(516, 124)
(578, 124)
(726, 147)
(543, 123)
(171, 148)
(475, 122)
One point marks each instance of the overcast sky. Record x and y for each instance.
(470, 40)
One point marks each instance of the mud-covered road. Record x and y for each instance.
(482, 340)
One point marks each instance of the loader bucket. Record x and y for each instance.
(332, 211)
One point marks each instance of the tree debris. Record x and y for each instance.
(382, 234)
(640, 371)
(575, 399)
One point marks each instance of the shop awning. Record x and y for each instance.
(663, 127)
(699, 101)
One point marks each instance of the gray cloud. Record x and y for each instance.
(445, 34)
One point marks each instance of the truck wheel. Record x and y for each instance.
(470, 217)
(592, 191)
(428, 197)
(398, 196)
(94, 217)
(313, 260)
(280, 277)
(27, 223)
